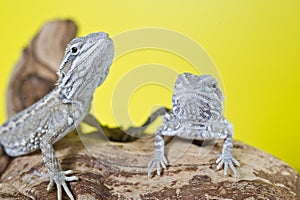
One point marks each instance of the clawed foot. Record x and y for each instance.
(60, 178)
(156, 163)
(227, 161)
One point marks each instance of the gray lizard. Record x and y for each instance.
(196, 114)
(85, 66)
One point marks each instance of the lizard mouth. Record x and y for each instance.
(219, 94)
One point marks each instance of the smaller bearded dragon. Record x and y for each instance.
(85, 66)
(196, 114)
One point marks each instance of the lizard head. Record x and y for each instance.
(196, 95)
(86, 63)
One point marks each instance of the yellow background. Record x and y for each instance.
(255, 45)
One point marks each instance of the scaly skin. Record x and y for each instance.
(85, 66)
(196, 114)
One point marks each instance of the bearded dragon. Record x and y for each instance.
(196, 114)
(85, 66)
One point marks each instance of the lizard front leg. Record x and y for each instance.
(138, 131)
(57, 176)
(227, 158)
(171, 127)
(219, 129)
(159, 160)
(223, 129)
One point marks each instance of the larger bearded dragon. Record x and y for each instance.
(85, 66)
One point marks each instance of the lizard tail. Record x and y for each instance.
(159, 112)
(137, 132)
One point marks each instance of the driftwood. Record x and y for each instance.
(116, 170)
(35, 73)
(110, 170)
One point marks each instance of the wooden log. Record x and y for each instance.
(112, 170)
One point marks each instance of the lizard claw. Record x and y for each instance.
(60, 178)
(157, 162)
(227, 161)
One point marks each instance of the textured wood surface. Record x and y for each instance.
(115, 170)
(34, 75)
(111, 170)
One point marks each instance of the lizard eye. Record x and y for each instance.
(214, 86)
(74, 50)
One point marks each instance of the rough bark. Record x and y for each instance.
(115, 170)
(111, 170)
